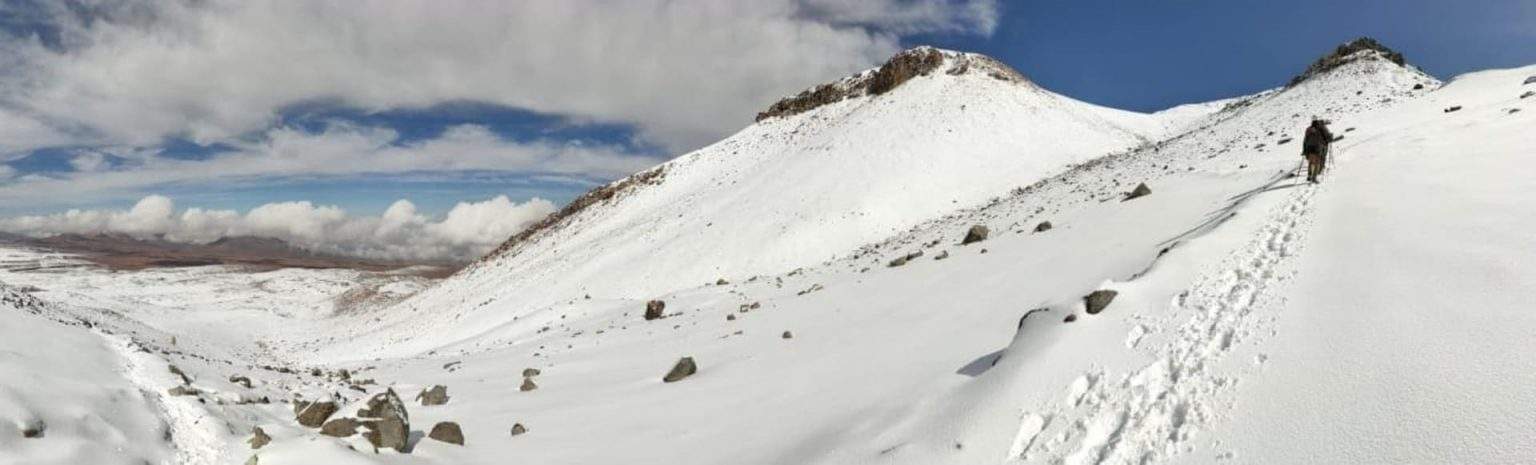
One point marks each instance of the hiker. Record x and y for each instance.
(1315, 148)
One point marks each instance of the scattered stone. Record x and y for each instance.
(1043, 226)
(241, 380)
(345, 375)
(788, 335)
(518, 428)
(1098, 300)
(387, 423)
(730, 317)
(721, 282)
(447, 431)
(684, 368)
(1419, 86)
(1283, 141)
(1141, 190)
(942, 255)
(182, 391)
(1529, 80)
(258, 438)
(33, 429)
(1453, 109)
(653, 309)
(899, 261)
(316, 372)
(340, 428)
(977, 233)
(528, 385)
(530, 372)
(435, 395)
(316, 413)
(1071, 317)
(1528, 94)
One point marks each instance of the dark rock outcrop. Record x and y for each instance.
(387, 425)
(448, 432)
(1344, 54)
(976, 234)
(903, 67)
(1043, 226)
(518, 429)
(1098, 300)
(684, 368)
(316, 413)
(1140, 191)
(654, 309)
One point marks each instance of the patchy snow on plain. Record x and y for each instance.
(812, 266)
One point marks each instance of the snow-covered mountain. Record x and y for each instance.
(820, 174)
(1249, 317)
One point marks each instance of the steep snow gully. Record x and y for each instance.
(813, 267)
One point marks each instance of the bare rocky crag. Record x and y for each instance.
(1347, 53)
(901, 68)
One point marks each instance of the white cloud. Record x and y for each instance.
(340, 150)
(467, 231)
(6, 172)
(684, 71)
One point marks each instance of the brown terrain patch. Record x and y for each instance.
(122, 252)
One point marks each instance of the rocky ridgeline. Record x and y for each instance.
(902, 67)
(1346, 54)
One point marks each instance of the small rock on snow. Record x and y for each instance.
(684, 368)
(448, 432)
(435, 395)
(977, 233)
(1098, 300)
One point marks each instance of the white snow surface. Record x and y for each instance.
(1378, 317)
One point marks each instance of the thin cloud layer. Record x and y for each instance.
(339, 150)
(684, 72)
(467, 231)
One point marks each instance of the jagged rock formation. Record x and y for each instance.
(901, 68)
(1346, 53)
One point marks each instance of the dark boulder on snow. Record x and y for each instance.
(1418, 86)
(33, 429)
(528, 385)
(447, 431)
(1141, 190)
(1529, 80)
(182, 391)
(902, 260)
(684, 368)
(977, 233)
(1453, 109)
(654, 309)
(241, 380)
(339, 427)
(518, 429)
(258, 438)
(942, 255)
(1098, 300)
(530, 372)
(387, 423)
(316, 413)
(1043, 226)
(1528, 94)
(435, 395)
(1071, 317)
(788, 335)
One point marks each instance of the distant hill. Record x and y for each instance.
(121, 251)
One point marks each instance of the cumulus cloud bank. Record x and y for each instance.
(685, 72)
(468, 230)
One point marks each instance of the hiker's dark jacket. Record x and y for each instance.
(1316, 140)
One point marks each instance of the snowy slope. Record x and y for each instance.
(797, 190)
(1406, 336)
(1258, 318)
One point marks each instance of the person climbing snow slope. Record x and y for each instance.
(1314, 147)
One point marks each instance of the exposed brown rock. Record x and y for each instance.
(339, 427)
(977, 233)
(448, 432)
(654, 309)
(684, 368)
(1342, 55)
(1140, 191)
(258, 438)
(316, 413)
(528, 385)
(387, 425)
(435, 395)
(518, 429)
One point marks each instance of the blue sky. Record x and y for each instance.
(462, 110)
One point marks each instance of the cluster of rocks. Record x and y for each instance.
(1344, 55)
(383, 421)
(528, 384)
(902, 260)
